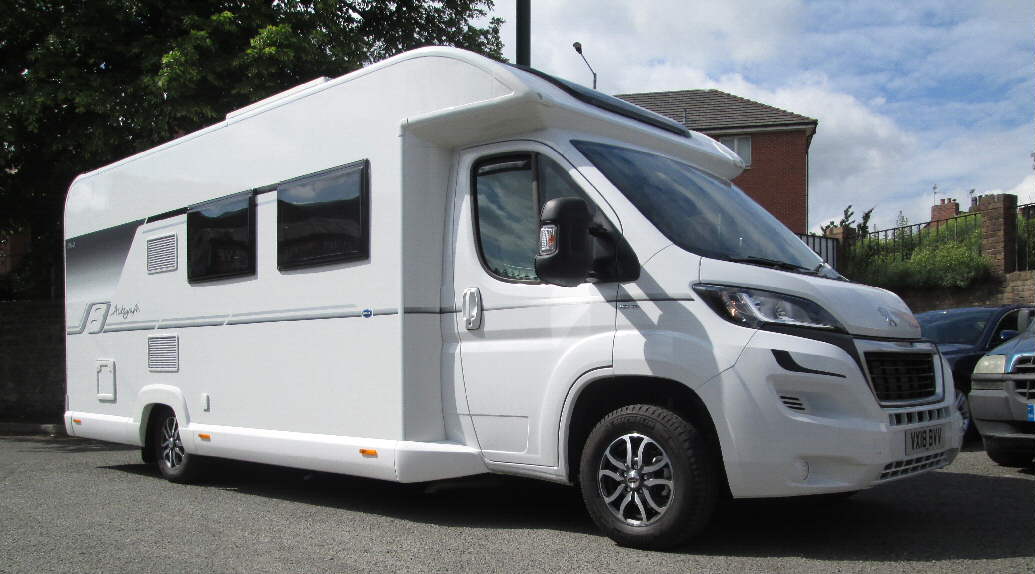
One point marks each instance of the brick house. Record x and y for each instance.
(774, 143)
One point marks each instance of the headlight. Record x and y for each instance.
(991, 364)
(754, 308)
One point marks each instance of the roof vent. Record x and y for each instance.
(277, 97)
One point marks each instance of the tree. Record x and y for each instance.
(848, 224)
(88, 82)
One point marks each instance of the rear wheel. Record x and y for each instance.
(174, 463)
(648, 477)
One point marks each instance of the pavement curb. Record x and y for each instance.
(32, 429)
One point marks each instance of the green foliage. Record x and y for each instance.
(1025, 243)
(87, 83)
(941, 255)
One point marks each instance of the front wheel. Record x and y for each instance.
(1007, 457)
(174, 463)
(648, 477)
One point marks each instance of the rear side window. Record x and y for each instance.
(323, 218)
(221, 238)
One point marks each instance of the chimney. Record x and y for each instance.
(945, 209)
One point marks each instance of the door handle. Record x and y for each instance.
(472, 308)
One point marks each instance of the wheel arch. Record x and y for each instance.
(592, 399)
(153, 396)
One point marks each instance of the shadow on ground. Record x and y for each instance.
(943, 515)
(64, 444)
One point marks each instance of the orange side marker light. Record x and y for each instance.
(204, 436)
(368, 452)
(77, 421)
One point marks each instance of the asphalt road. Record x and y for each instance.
(71, 505)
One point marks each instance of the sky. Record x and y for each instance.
(909, 95)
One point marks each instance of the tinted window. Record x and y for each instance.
(962, 327)
(701, 213)
(221, 238)
(510, 192)
(507, 217)
(323, 218)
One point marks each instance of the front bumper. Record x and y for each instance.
(999, 405)
(791, 432)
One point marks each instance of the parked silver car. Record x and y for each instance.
(1002, 400)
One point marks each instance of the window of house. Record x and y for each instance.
(221, 238)
(741, 145)
(323, 218)
(509, 194)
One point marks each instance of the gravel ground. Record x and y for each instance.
(72, 505)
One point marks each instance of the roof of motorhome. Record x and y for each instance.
(510, 103)
(531, 81)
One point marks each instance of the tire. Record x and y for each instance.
(657, 505)
(174, 463)
(963, 406)
(1010, 458)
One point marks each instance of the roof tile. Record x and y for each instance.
(705, 110)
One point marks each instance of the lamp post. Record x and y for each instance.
(578, 48)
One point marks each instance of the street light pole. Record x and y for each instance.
(578, 48)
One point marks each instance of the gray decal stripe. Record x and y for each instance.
(429, 310)
(585, 301)
(247, 319)
(207, 321)
(130, 326)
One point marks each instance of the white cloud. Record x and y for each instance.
(907, 95)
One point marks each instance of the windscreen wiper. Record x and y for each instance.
(775, 264)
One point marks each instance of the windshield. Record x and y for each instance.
(701, 213)
(962, 327)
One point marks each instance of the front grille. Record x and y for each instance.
(908, 466)
(1025, 389)
(901, 376)
(1024, 364)
(918, 416)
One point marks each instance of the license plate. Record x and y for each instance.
(1031, 412)
(924, 440)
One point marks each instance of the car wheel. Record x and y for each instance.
(648, 477)
(174, 463)
(1011, 458)
(969, 430)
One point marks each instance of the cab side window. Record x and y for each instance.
(509, 194)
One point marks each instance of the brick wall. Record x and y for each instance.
(32, 361)
(1016, 287)
(778, 176)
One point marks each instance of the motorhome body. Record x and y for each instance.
(341, 278)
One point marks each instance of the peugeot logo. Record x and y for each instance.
(887, 317)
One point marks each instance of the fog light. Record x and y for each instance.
(803, 469)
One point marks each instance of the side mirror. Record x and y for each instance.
(1006, 334)
(565, 250)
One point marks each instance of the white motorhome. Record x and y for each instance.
(441, 265)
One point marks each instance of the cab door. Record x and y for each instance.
(522, 342)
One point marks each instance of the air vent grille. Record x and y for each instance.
(910, 466)
(793, 403)
(161, 254)
(918, 416)
(1025, 389)
(1024, 364)
(163, 353)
